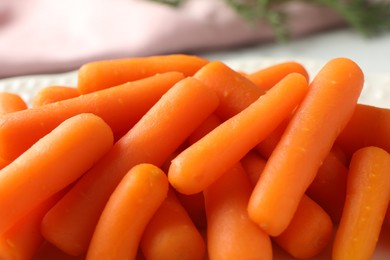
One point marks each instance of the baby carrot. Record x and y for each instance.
(309, 232)
(329, 185)
(235, 91)
(120, 107)
(309, 137)
(51, 164)
(70, 223)
(10, 102)
(48, 251)
(231, 234)
(23, 239)
(311, 228)
(369, 126)
(128, 211)
(53, 94)
(206, 160)
(171, 234)
(267, 77)
(98, 75)
(368, 195)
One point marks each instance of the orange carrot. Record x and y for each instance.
(311, 228)
(206, 160)
(309, 137)
(194, 205)
(51, 164)
(11, 102)
(329, 185)
(267, 77)
(70, 224)
(171, 234)
(309, 232)
(108, 73)
(127, 213)
(231, 234)
(121, 107)
(53, 94)
(368, 195)
(48, 251)
(24, 238)
(235, 91)
(369, 126)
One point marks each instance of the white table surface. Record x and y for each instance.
(372, 54)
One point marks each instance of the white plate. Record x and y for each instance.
(376, 92)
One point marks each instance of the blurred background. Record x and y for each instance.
(52, 36)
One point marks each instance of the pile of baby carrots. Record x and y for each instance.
(178, 157)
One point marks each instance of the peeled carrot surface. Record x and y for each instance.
(51, 164)
(133, 203)
(70, 223)
(367, 199)
(108, 73)
(281, 163)
(11, 102)
(121, 107)
(53, 94)
(331, 100)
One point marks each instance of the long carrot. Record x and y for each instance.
(309, 137)
(98, 75)
(171, 234)
(267, 77)
(51, 94)
(206, 160)
(309, 232)
(23, 239)
(11, 102)
(235, 91)
(51, 164)
(368, 196)
(121, 107)
(127, 213)
(70, 224)
(231, 234)
(369, 126)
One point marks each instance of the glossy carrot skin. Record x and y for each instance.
(51, 164)
(99, 75)
(231, 234)
(52, 94)
(234, 90)
(309, 232)
(10, 102)
(70, 224)
(206, 160)
(367, 200)
(127, 213)
(369, 126)
(171, 234)
(309, 137)
(121, 107)
(267, 77)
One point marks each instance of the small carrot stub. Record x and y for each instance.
(171, 234)
(206, 160)
(367, 199)
(70, 223)
(309, 137)
(10, 102)
(231, 234)
(99, 75)
(121, 107)
(267, 77)
(53, 94)
(126, 214)
(51, 164)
